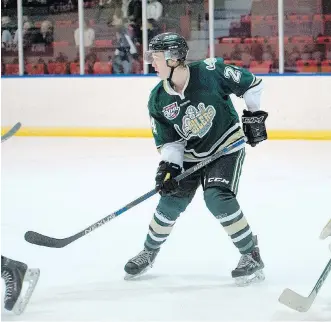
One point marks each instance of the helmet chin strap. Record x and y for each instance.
(172, 69)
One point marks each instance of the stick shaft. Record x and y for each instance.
(322, 278)
(301, 303)
(153, 192)
(36, 238)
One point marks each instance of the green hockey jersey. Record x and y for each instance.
(204, 116)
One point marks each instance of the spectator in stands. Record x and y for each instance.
(125, 7)
(42, 62)
(135, 11)
(104, 2)
(291, 58)
(6, 37)
(295, 54)
(61, 58)
(246, 57)
(27, 35)
(317, 54)
(306, 53)
(26, 26)
(154, 14)
(89, 35)
(257, 52)
(90, 60)
(106, 8)
(135, 19)
(236, 53)
(59, 6)
(153, 28)
(125, 49)
(268, 54)
(45, 35)
(154, 10)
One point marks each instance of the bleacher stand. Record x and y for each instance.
(246, 35)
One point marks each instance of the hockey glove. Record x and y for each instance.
(254, 126)
(166, 172)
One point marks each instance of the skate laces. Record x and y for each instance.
(143, 257)
(246, 259)
(9, 284)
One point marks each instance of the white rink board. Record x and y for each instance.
(293, 102)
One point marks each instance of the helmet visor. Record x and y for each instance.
(168, 54)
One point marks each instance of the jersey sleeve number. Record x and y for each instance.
(230, 72)
(153, 125)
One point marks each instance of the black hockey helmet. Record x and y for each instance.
(172, 44)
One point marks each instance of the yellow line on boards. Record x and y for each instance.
(147, 133)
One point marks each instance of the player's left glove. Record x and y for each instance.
(164, 180)
(254, 126)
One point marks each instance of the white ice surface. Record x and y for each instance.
(59, 186)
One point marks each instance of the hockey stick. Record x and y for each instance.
(42, 240)
(301, 303)
(11, 132)
(326, 232)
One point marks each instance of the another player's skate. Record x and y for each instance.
(249, 268)
(15, 274)
(139, 264)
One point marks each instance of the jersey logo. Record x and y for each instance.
(171, 111)
(197, 121)
(211, 63)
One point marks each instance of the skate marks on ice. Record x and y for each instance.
(166, 297)
(190, 297)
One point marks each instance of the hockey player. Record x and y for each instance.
(15, 274)
(326, 232)
(192, 117)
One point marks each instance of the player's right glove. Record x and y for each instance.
(164, 180)
(254, 126)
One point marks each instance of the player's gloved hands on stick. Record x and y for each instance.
(166, 172)
(254, 126)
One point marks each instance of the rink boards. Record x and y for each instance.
(299, 106)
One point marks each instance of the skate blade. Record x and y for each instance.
(256, 277)
(31, 276)
(129, 277)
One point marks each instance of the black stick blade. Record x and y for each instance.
(42, 240)
(11, 132)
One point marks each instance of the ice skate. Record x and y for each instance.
(15, 274)
(249, 268)
(139, 264)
